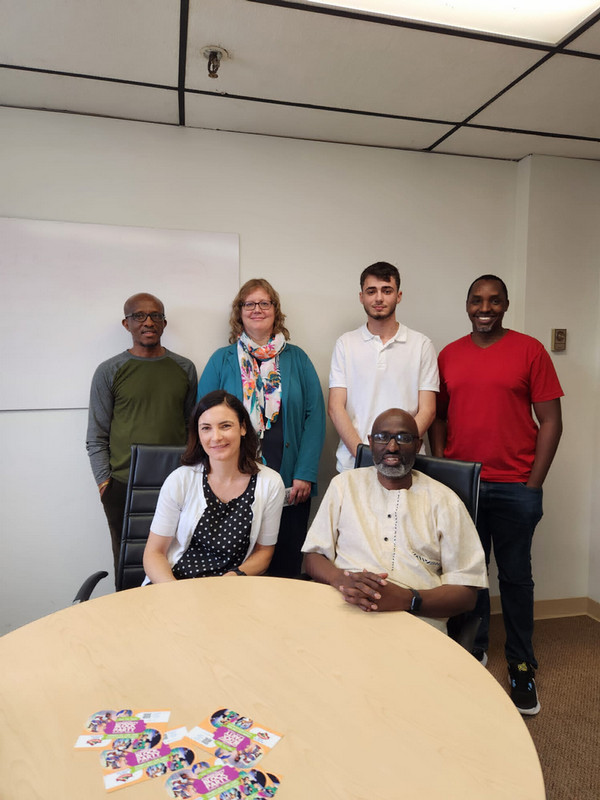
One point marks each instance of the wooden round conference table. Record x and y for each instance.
(370, 706)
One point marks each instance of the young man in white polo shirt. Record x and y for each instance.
(383, 364)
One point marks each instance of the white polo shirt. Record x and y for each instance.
(379, 376)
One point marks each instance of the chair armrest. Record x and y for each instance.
(88, 586)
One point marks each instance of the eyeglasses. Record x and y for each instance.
(141, 316)
(399, 438)
(264, 305)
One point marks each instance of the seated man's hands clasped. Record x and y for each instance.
(371, 591)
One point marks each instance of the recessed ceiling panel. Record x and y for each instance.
(562, 96)
(128, 39)
(219, 113)
(535, 20)
(499, 144)
(284, 54)
(101, 98)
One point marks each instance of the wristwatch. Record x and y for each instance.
(416, 602)
(238, 571)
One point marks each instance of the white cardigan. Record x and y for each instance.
(181, 503)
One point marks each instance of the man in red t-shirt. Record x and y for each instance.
(489, 382)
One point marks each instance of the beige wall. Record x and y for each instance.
(310, 216)
(562, 285)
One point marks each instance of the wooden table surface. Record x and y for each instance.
(371, 706)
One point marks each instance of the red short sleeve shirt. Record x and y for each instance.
(486, 395)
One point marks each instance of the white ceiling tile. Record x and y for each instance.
(297, 57)
(515, 146)
(128, 39)
(220, 113)
(285, 54)
(562, 96)
(102, 98)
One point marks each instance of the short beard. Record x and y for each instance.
(393, 472)
(378, 315)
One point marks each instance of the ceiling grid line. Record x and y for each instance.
(308, 72)
(184, 14)
(490, 101)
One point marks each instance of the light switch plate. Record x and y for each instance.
(559, 340)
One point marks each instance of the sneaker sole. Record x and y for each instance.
(529, 712)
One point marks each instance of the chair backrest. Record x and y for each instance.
(460, 476)
(150, 465)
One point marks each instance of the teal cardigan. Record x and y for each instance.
(302, 407)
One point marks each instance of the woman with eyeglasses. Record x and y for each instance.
(281, 392)
(219, 513)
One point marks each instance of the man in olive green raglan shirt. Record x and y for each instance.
(141, 396)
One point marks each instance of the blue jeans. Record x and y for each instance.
(507, 517)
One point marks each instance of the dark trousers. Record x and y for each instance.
(113, 501)
(507, 517)
(287, 558)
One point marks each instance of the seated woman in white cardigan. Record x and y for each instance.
(219, 513)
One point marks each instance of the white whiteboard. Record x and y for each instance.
(63, 288)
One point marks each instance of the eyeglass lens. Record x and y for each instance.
(400, 438)
(140, 316)
(264, 305)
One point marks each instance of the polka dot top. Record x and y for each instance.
(222, 536)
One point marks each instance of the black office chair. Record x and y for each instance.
(463, 478)
(150, 465)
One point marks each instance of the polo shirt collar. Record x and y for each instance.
(400, 335)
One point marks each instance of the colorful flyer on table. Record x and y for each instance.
(235, 740)
(124, 767)
(263, 784)
(220, 782)
(124, 729)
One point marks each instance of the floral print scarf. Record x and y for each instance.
(261, 379)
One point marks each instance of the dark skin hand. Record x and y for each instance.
(371, 591)
(363, 584)
(367, 590)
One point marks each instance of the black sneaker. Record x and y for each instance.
(522, 688)
(481, 656)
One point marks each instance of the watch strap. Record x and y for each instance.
(416, 602)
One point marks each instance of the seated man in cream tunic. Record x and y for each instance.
(390, 538)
